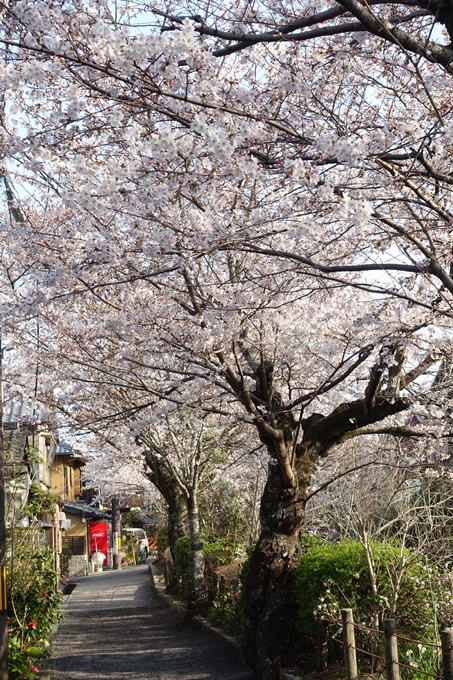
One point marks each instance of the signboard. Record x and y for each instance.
(99, 539)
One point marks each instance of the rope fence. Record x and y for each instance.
(390, 639)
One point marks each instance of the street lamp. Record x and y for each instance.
(3, 603)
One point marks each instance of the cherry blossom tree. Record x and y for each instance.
(267, 364)
(268, 232)
(186, 448)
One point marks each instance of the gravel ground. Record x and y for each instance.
(113, 630)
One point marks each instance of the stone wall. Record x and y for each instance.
(77, 566)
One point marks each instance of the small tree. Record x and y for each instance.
(185, 448)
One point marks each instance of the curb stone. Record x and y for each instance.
(158, 588)
(200, 622)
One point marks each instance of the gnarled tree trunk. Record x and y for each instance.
(270, 639)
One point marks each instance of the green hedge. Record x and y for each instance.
(217, 551)
(335, 576)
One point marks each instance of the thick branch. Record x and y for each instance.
(328, 431)
(388, 30)
(410, 268)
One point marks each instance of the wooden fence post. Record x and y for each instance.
(446, 637)
(391, 650)
(321, 651)
(350, 657)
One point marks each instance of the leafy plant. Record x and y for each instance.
(66, 554)
(217, 551)
(34, 607)
(228, 608)
(227, 611)
(162, 539)
(33, 603)
(334, 576)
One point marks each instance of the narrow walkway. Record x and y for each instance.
(114, 630)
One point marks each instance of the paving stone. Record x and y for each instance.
(114, 630)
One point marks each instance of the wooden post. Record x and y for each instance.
(350, 657)
(391, 650)
(321, 652)
(446, 637)
(116, 533)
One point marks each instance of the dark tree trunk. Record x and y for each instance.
(271, 640)
(178, 516)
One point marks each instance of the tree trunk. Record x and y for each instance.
(178, 517)
(270, 640)
(197, 594)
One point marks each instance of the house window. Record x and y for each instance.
(76, 544)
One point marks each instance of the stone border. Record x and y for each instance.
(177, 606)
(158, 588)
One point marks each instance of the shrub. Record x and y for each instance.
(217, 551)
(227, 611)
(162, 539)
(228, 608)
(34, 608)
(333, 576)
(33, 603)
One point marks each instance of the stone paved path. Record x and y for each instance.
(114, 630)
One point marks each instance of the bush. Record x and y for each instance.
(227, 611)
(162, 539)
(216, 550)
(333, 576)
(34, 608)
(33, 603)
(228, 608)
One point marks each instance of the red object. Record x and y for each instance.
(99, 539)
(32, 624)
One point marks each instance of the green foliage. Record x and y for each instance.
(34, 607)
(40, 503)
(21, 658)
(162, 539)
(342, 566)
(217, 551)
(33, 604)
(182, 560)
(66, 554)
(227, 611)
(129, 519)
(334, 576)
(424, 660)
(222, 512)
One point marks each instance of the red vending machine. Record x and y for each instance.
(99, 542)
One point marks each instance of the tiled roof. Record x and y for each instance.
(24, 411)
(82, 508)
(65, 449)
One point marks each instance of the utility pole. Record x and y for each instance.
(116, 534)
(3, 604)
